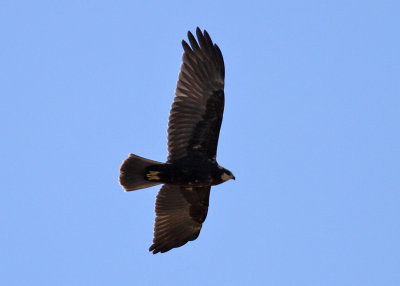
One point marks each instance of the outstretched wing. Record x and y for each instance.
(196, 113)
(180, 213)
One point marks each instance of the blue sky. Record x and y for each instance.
(310, 130)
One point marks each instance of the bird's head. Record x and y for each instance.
(227, 175)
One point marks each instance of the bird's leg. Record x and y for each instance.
(153, 176)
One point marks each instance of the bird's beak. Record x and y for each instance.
(233, 177)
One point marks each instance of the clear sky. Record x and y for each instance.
(310, 130)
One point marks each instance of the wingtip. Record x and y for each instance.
(153, 249)
(199, 30)
(199, 34)
(206, 35)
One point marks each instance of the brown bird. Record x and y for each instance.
(193, 132)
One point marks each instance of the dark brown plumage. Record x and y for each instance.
(196, 114)
(193, 132)
(180, 213)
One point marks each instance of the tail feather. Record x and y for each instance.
(132, 173)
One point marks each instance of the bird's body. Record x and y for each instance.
(188, 171)
(193, 132)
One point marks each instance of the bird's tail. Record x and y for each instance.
(132, 173)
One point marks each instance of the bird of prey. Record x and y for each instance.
(193, 130)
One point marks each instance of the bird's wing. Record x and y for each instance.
(180, 213)
(196, 113)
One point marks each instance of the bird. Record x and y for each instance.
(193, 130)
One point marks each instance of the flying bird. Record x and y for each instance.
(193, 130)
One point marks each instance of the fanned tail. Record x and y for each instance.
(132, 173)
